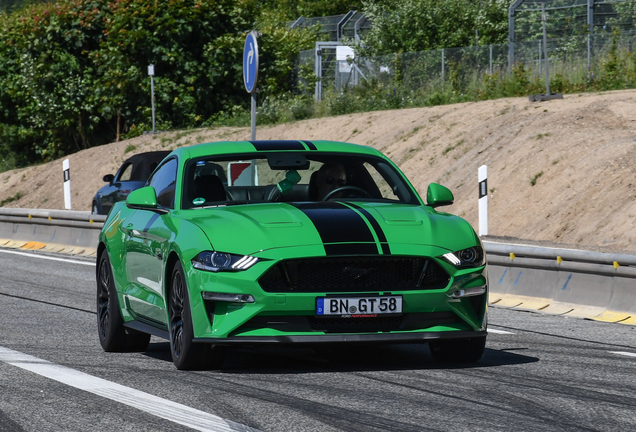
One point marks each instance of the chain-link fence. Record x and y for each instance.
(579, 34)
(468, 67)
(568, 18)
(333, 28)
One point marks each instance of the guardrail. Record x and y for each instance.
(594, 285)
(65, 231)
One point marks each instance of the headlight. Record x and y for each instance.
(471, 257)
(220, 261)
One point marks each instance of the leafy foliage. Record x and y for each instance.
(419, 25)
(74, 73)
(293, 9)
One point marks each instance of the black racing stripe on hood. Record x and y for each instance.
(277, 145)
(337, 223)
(310, 145)
(376, 227)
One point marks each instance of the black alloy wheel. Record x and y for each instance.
(185, 353)
(113, 336)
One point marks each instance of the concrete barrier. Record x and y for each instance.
(64, 231)
(594, 285)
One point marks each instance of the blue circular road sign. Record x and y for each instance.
(250, 62)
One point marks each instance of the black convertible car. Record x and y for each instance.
(132, 175)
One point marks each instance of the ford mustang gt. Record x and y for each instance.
(295, 242)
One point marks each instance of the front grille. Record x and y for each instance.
(354, 274)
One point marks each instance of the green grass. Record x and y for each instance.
(15, 197)
(450, 148)
(533, 180)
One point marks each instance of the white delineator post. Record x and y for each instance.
(67, 184)
(482, 175)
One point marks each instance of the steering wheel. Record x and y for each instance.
(344, 188)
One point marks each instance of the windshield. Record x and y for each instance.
(291, 177)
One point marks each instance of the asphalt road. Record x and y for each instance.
(539, 373)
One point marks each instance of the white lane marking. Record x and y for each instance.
(175, 412)
(48, 257)
(492, 330)
(624, 353)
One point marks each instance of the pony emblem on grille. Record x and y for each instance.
(357, 272)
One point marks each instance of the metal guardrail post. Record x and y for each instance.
(318, 72)
(545, 50)
(590, 23)
(443, 77)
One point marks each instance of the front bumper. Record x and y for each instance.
(219, 321)
(347, 338)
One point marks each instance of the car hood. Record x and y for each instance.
(341, 228)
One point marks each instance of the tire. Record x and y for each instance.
(113, 336)
(186, 354)
(468, 350)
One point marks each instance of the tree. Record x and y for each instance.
(74, 73)
(420, 25)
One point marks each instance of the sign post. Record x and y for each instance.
(67, 184)
(250, 72)
(151, 73)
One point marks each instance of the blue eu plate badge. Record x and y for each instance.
(320, 307)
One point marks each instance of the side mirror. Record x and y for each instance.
(108, 178)
(438, 195)
(144, 199)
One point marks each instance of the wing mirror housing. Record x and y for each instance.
(438, 195)
(108, 178)
(144, 198)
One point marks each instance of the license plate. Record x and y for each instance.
(358, 306)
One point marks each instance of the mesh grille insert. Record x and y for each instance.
(354, 274)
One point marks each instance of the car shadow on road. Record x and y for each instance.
(286, 359)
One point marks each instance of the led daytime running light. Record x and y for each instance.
(450, 257)
(245, 262)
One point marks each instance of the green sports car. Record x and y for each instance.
(303, 242)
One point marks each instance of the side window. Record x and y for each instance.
(126, 173)
(164, 181)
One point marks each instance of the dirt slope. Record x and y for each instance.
(580, 153)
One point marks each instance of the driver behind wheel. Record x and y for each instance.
(331, 176)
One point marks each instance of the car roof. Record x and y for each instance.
(237, 147)
(150, 157)
(144, 164)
